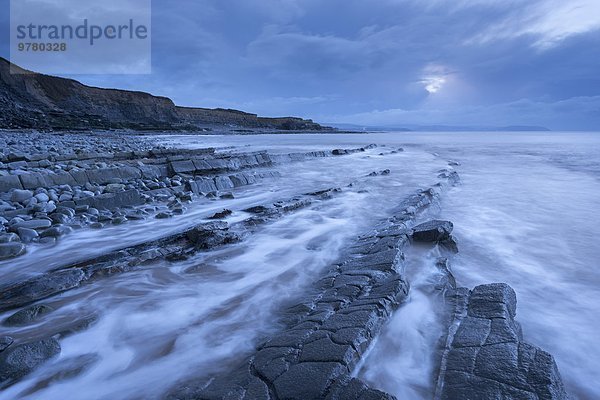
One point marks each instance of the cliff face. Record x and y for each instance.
(39, 101)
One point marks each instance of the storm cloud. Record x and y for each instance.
(386, 62)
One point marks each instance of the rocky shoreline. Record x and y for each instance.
(53, 185)
(70, 181)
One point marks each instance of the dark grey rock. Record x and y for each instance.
(496, 300)
(5, 341)
(56, 231)
(33, 224)
(34, 180)
(222, 214)
(18, 361)
(212, 235)
(11, 250)
(432, 231)
(27, 235)
(39, 287)
(8, 237)
(9, 182)
(28, 315)
(487, 358)
(308, 380)
(21, 195)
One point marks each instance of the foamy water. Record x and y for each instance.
(525, 214)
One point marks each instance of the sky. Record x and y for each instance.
(377, 62)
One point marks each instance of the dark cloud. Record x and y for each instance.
(403, 61)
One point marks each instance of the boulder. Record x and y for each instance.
(8, 237)
(432, 231)
(486, 357)
(18, 361)
(11, 250)
(225, 213)
(34, 180)
(5, 341)
(27, 315)
(27, 235)
(42, 197)
(56, 231)
(39, 287)
(9, 182)
(32, 224)
(114, 187)
(21, 195)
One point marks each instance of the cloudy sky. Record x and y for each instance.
(378, 62)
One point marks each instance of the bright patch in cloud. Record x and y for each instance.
(434, 77)
(433, 83)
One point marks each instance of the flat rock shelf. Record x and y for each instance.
(323, 332)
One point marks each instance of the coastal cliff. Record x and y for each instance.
(32, 100)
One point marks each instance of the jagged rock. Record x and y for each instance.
(486, 358)
(18, 361)
(222, 214)
(27, 315)
(211, 235)
(39, 287)
(432, 231)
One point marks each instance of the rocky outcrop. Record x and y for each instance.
(329, 330)
(54, 183)
(484, 355)
(31, 100)
(17, 361)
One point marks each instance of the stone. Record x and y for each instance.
(61, 178)
(33, 224)
(211, 235)
(27, 235)
(11, 250)
(114, 187)
(326, 350)
(308, 380)
(9, 182)
(496, 300)
(223, 183)
(5, 341)
(27, 315)
(42, 197)
(8, 237)
(21, 195)
(33, 180)
(186, 166)
(112, 201)
(222, 214)
(487, 358)
(432, 231)
(56, 231)
(39, 287)
(18, 361)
